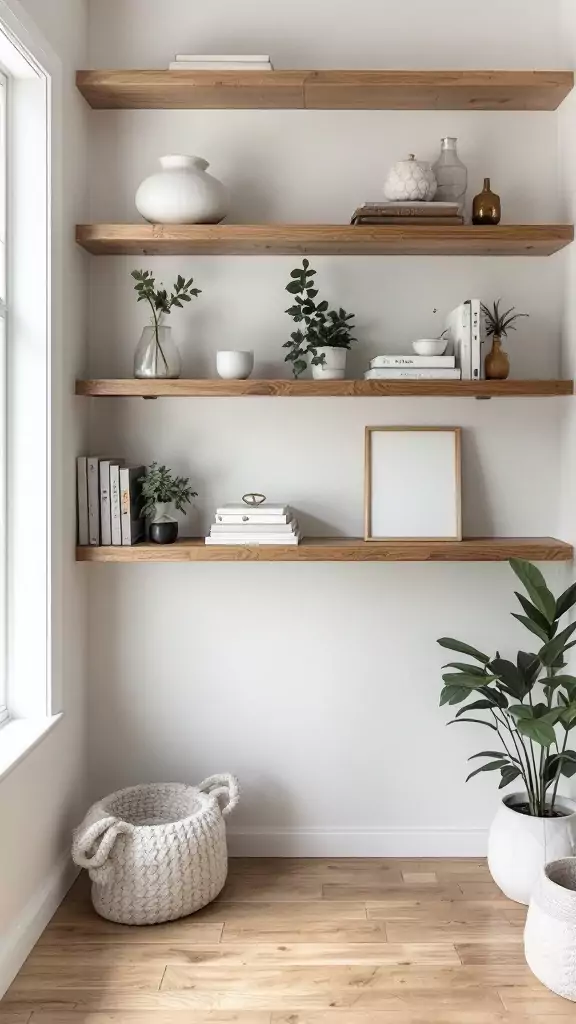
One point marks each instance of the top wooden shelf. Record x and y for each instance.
(325, 90)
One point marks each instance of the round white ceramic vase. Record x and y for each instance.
(182, 193)
(409, 181)
(234, 365)
(334, 365)
(519, 845)
(550, 933)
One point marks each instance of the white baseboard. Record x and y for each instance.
(390, 842)
(24, 933)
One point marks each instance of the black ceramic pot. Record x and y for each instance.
(163, 533)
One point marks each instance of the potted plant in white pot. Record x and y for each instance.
(529, 706)
(162, 495)
(326, 334)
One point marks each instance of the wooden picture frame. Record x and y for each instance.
(423, 475)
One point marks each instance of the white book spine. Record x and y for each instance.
(252, 529)
(125, 507)
(428, 362)
(466, 344)
(215, 65)
(252, 520)
(115, 521)
(240, 58)
(279, 541)
(414, 374)
(94, 500)
(259, 510)
(105, 518)
(82, 491)
(475, 341)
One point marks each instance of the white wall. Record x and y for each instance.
(42, 798)
(317, 684)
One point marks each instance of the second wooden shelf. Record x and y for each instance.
(132, 388)
(323, 239)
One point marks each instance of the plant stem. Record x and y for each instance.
(557, 780)
(156, 335)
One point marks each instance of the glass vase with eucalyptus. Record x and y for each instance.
(157, 355)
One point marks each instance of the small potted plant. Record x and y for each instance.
(162, 494)
(497, 324)
(325, 335)
(529, 706)
(156, 354)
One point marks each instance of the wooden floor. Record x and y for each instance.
(297, 942)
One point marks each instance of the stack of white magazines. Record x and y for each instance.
(220, 62)
(461, 361)
(259, 524)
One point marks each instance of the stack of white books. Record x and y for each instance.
(220, 62)
(412, 367)
(260, 524)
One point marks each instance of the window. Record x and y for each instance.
(3, 406)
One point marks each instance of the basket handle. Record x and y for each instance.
(92, 848)
(223, 787)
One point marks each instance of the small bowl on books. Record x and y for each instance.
(430, 346)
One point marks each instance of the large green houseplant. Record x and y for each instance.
(529, 706)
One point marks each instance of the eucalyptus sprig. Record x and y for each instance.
(160, 486)
(161, 304)
(529, 704)
(323, 327)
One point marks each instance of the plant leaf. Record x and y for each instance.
(566, 601)
(532, 612)
(477, 721)
(535, 584)
(461, 648)
(508, 775)
(454, 694)
(492, 766)
(473, 670)
(540, 633)
(537, 730)
(551, 650)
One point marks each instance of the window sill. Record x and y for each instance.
(19, 737)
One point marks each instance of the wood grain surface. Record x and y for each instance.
(318, 949)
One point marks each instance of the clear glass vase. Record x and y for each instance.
(451, 175)
(156, 354)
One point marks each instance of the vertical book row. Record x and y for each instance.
(109, 501)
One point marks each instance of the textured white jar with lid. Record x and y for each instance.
(182, 193)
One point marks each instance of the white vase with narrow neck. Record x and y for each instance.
(182, 193)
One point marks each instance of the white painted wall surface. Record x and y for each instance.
(317, 684)
(42, 798)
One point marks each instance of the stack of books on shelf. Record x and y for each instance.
(408, 213)
(109, 502)
(260, 524)
(409, 367)
(220, 62)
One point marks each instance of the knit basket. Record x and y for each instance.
(156, 852)
(550, 934)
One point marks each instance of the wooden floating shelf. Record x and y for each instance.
(340, 549)
(326, 90)
(322, 239)
(132, 388)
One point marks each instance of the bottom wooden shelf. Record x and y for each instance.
(341, 549)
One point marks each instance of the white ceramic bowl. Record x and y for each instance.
(234, 365)
(430, 346)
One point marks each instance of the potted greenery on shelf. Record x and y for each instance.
(162, 494)
(157, 355)
(325, 335)
(529, 706)
(497, 325)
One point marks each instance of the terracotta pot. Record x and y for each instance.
(497, 363)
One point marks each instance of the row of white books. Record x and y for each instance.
(461, 362)
(221, 62)
(109, 501)
(248, 524)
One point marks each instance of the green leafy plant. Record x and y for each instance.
(161, 304)
(529, 704)
(322, 327)
(160, 486)
(499, 323)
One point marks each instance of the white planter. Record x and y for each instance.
(334, 365)
(550, 934)
(519, 845)
(182, 193)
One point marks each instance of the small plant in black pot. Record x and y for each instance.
(162, 495)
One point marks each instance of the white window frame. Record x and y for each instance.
(34, 398)
(4, 711)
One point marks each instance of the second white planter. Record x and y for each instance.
(520, 845)
(334, 365)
